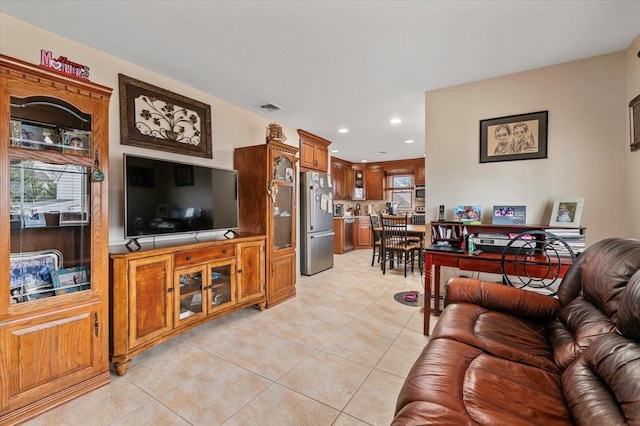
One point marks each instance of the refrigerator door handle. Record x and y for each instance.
(322, 235)
(312, 210)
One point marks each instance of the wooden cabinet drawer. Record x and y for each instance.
(444, 260)
(473, 264)
(194, 257)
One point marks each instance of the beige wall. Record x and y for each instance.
(231, 126)
(587, 144)
(633, 158)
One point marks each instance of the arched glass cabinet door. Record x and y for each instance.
(50, 196)
(283, 202)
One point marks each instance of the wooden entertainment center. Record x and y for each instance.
(168, 287)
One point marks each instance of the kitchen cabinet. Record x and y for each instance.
(251, 271)
(374, 183)
(267, 184)
(314, 152)
(54, 272)
(166, 288)
(340, 172)
(419, 173)
(363, 234)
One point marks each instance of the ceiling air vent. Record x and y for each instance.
(270, 107)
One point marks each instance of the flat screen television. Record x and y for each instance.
(166, 197)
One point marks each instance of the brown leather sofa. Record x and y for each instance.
(505, 356)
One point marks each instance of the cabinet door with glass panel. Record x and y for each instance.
(203, 289)
(54, 262)
(282, 193)
(50, 196)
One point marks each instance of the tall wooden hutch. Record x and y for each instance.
(267, 179)
(54, 260)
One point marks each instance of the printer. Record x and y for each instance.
(495, 243)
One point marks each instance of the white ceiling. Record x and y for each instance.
(333, 64)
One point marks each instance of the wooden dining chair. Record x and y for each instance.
(376, 232)
(396, 246)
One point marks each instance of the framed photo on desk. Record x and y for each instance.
(566, 212)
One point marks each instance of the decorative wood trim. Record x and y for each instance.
(313, 138)
(15, 68)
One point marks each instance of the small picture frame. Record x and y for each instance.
(509, 215)
(16, 132)
(470, 215)
(76, 142)
(31, 275)
(37, 137)
(70, 280)
(183, 175)
(74, 218)
(566, 212)
(33, 220)
(15, 221)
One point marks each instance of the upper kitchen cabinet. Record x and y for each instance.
(314, 152)
(341, 179)
(54, 308)
(420, 173)
(374, 183)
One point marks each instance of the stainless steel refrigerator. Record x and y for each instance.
(316, 223)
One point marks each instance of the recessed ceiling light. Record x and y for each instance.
(395, 121)
(363, 161)
(334, 151)
(343, 130)
(409, 141)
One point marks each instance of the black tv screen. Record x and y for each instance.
(166, 197)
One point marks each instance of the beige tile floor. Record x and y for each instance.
(337, 354)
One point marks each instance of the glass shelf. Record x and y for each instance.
(33, 126)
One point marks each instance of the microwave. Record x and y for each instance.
(419, 192)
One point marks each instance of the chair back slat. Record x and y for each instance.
(394, 231)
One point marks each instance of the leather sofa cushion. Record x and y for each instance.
(602, 274)
(517, 394)
(453, 383)
(603, 386)
(577, 326)
(432, 392)
(498, 334)
(628, 321)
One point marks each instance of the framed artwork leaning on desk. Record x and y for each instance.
(566, 212)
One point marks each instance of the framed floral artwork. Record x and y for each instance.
(155, 118)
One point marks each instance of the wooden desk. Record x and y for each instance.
(484, 262)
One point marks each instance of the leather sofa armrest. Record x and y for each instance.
(499, 297)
